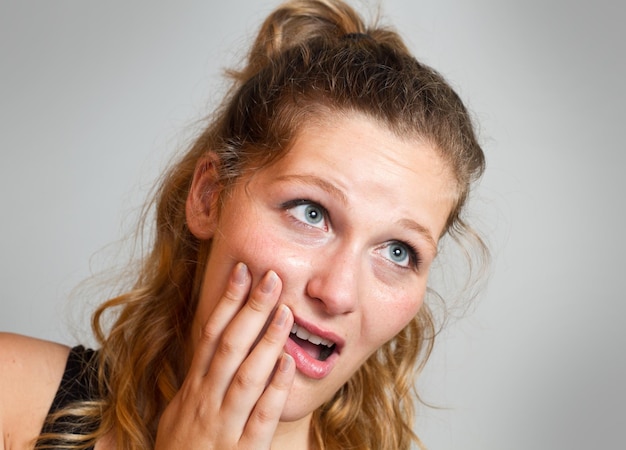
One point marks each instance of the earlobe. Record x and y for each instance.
(201, 208)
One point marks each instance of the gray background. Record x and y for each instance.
(96, 96)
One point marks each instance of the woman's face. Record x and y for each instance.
(349, 219)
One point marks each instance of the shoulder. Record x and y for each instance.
(30, 373)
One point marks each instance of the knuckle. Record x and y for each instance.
(227, 346)
(232, 296)
(256, 304)
(281, 383)
(245, 380)
(209, 333)
(264, 415)
(272, 337)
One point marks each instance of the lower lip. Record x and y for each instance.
(306, 364)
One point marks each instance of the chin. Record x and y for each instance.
(293, 416)
(297, 408)
(302, 401)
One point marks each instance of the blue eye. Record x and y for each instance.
(310, 213)
(400, 254)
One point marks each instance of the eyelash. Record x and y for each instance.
(414, 258)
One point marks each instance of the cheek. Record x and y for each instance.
(391, 317)
(263, 244)
(261, 248)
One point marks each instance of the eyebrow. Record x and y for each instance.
(324, 185)
(422, 230)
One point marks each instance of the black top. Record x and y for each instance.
(79, 383)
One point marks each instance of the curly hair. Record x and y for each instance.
(310, 58)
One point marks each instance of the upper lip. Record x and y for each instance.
(326, 334)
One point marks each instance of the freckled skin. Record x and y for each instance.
(336, 273)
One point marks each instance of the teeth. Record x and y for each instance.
(306, 336)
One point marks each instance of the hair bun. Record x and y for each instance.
(298, 21)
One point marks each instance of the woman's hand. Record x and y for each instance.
(239, 378)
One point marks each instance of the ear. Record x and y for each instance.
(201, 208)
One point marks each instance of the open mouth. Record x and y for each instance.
(316, 346)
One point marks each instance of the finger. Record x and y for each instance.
(226, 309)
(256, 371)
(264, 419)
(240, 335)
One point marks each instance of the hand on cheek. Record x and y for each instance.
(239, 378)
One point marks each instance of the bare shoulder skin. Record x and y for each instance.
(30, 374)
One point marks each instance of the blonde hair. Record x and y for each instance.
(311, 57)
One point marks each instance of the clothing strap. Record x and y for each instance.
(79, 383)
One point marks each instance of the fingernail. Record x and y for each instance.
(269, 282)
(241, 272)
(281, 315)
(285, 362)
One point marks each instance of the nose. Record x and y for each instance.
(334, 280)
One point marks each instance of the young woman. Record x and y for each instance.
(281, 304)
